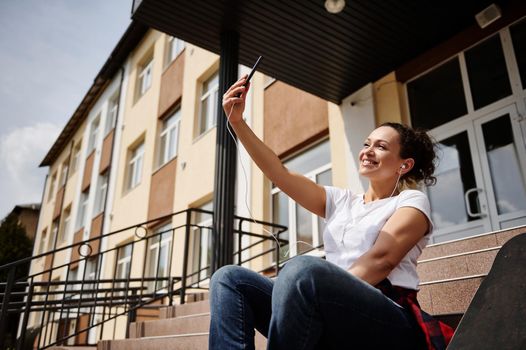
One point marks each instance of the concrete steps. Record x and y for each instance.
(451, 272)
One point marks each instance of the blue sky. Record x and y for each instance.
(50, 53)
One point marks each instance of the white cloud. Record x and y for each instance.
(21, 151)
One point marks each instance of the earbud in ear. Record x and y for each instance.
(403, 166)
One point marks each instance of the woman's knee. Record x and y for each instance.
(225, 275)
(304, 266)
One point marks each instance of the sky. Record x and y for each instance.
(50, 53)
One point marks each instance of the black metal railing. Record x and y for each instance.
(96, 287)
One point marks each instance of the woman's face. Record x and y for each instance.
(380, 155)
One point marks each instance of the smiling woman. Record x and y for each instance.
(364, 293)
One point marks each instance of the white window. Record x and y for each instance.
(175, 47)
(100, 197)
(159, 255)
(202, 243)
(111, 117)
(169, 137)
(94, 134)
(53, 236)
(63, 174)
(123, 266)
(52, 186)
(145, 77)
(83, 210)
(305, 229)
(64, 229)
(42, 245)
(135, 166)
(208, 109)
(75, 157)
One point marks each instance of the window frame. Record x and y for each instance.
(100, 196)
(145, 76)
(166, 154)
(135, 165)
(111, 113)
(213, 91)
(312, 174)
(94, 134)
(82, 213)
(173, 51)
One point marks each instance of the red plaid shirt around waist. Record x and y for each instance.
(437, 334)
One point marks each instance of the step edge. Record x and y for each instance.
(453, 279)
(459, 254)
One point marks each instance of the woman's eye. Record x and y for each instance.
(381, 147)
(365, 145)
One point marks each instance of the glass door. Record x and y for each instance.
(480, 177)
(458, 201)
(502, 152)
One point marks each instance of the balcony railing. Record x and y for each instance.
(88, 294)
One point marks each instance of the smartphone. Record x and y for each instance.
(253, 69)
(252, 72)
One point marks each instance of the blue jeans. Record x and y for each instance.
(313, 304)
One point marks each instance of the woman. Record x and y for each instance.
(364, 295)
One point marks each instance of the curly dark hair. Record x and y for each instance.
(417, 144)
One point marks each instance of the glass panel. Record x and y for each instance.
(324, 179)
(518, 36)
(204, 116)
(508, 183)
(303, 229)
(455, 176)
(437, 97)
(280, 215)
(311, 159)
(488, 77)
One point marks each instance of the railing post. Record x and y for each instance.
(185, 255)
(5, 305)
(25, 319)
(132, 314)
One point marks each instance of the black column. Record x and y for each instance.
(225, 170)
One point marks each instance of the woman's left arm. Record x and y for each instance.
(400, 233)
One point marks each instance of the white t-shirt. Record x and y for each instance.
(352, 227)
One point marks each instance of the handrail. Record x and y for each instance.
(104, 287)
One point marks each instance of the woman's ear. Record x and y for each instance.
(406, 166)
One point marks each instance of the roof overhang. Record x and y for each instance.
(328, 55)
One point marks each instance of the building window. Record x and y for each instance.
(42, 245)
(64, 174)
(202, 243)
(75, 157)
(123, 269)
(208, 105)
(135, 166)
(144, 79)
(159, 256)
(100, 197)
(64, 228)
(305, 229)
(94, 134)
(54, 235)
(174, 48)
(83, 210)
(111, 115)
(438, 96)
(52, 183)
(169, 137)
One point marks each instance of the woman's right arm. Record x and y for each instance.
(305, 192)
